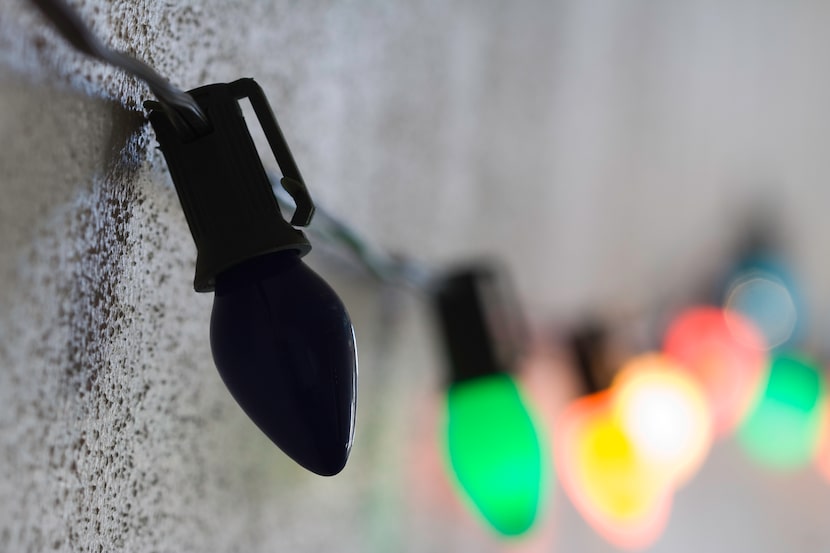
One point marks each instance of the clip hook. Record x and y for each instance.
(291, 181)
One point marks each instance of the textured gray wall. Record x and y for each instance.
(603, 150)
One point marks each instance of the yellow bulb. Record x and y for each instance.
(665, 414)
(606, 478)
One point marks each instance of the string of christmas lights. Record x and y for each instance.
(729, 366)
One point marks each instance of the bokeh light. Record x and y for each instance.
(767, 302)
(764, 291)
(784, 428)
(605, 476)
(726, 354)
(822, 459)
(495, 451)
(665, 414)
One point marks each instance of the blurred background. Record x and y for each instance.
(623, 163)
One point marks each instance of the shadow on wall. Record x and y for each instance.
(56, 143)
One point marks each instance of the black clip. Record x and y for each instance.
(226, 195)
(291, 180)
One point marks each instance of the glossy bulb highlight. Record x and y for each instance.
(495, 452)
(285, 347)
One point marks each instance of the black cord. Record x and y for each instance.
(386, 268)
(185, 114)
(190, 121)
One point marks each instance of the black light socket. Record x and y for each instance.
(223, 187)
(478, 321)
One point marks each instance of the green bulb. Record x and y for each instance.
(783, 429)
(496, 452)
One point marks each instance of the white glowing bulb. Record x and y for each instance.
(665, 415)
(660, 421)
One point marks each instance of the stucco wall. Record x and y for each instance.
(603, 151)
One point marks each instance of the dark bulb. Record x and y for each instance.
(281, 338)
(285, 348)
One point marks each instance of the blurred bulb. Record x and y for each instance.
(783, 430)
(726, 354)
(823, 450)
(762, 288)
(285, 348)
(665, 414)
(492, 442)
(605, 476)
(495, 452)
(766, 301)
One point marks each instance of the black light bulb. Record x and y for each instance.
(280, 336)
(284, 346)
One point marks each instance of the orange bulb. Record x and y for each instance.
(606, 478)
(726, 353)
(663, 411)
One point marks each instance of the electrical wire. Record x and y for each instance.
(185, 114)
(190, 121)
(385, 267)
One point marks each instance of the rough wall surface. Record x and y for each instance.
(575, 141)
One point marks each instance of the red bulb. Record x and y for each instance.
(726, 354)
